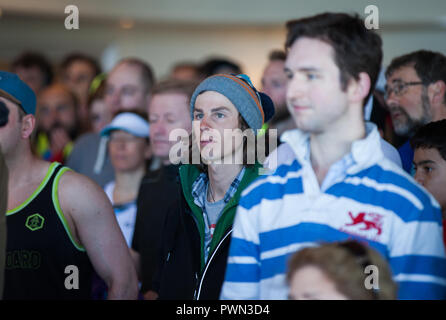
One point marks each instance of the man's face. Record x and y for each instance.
(78, 77)
(430, 172)
(167, 111)
(32, 76)
(215, 118)
(125, 90)
(56, 109)
(314, 95)
(410, 109)
(274, 84)
(128, 153)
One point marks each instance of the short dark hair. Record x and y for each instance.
(431, 136)
(430, 66)
(31, 59)
(77, 56)
(277, 55)
(356, 49)
(214, 65)
(145, 68)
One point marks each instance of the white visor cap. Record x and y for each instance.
(129, 122)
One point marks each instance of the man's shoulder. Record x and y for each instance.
(76, 186)
(273, 185)
(396, 185)
(283, 154)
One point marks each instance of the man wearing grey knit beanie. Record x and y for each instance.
(222, 107)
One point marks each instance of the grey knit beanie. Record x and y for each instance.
(242, 95)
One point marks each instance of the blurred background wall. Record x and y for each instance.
(164, 32)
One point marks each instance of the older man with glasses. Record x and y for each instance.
(415, 95)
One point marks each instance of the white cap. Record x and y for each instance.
(129, 122)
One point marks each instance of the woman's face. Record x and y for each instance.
(216, 128)
(127, 152)
(310, 283)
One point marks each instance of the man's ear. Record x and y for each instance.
(436, 92)
(28, 124)
(359, 89)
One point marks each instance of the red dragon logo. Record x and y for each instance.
(373, 223)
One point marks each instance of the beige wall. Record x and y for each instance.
(164, 44)
(163, 47)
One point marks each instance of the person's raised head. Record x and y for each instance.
(429, 144)
(416, 90)
(332, 65)
(128, 140)
(274, 80)
(169, 110)
(57, 107)
(356, 49)
(129, 85)
(223, 107)
(34, 69)
(78, 71)
(338, 271)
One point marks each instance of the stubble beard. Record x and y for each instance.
(408, 126)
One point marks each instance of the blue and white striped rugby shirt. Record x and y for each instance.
(364, 196)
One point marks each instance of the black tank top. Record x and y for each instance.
(40, 247)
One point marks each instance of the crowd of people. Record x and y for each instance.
(353, 182)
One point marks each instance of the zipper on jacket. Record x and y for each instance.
(196, 286)
(198, 289)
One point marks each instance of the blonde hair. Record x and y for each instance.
(344, 263)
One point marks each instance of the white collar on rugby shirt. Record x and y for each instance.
(365, 152)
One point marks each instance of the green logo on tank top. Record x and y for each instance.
(34, 222)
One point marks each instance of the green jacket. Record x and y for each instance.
(188, 174)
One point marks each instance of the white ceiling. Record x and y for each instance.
(251, 12)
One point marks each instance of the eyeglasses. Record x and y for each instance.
(399, 88)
